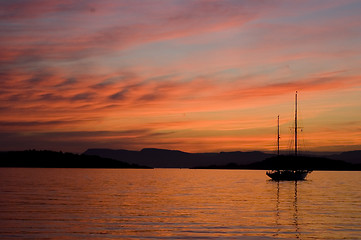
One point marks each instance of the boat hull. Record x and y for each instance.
(288, 175)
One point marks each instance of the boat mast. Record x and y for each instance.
(278, 135)
(296, 124)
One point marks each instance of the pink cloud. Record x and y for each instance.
(70, 66)
(69, 40)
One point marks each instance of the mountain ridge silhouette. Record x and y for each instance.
(165, 158)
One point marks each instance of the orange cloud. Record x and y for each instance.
(193, 75)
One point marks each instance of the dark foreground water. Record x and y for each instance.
(176, 203)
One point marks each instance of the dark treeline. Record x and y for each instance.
(52, 159)
(292, 162)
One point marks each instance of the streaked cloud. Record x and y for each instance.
(191, 75)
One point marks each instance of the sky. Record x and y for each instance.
(190, 75)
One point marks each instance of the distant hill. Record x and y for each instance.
(351, 156)
(162, 158)
(51, 159)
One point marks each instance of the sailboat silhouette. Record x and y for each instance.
(292, 173)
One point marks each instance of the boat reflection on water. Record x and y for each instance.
(295, 214)
(282, 226)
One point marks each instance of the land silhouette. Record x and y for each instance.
(51, 159)
(292, 162)
(163, 158)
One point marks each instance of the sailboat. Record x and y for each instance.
(291, 173)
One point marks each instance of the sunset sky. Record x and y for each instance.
(191, 75)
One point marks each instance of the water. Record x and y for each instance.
(176, 204)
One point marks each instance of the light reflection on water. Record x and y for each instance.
(176, 203)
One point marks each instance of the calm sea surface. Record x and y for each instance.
(176, 204)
